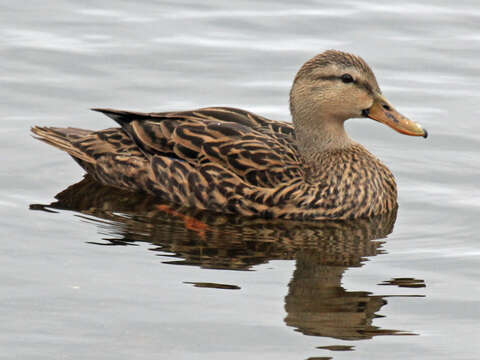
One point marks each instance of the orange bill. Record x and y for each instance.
(383, 112)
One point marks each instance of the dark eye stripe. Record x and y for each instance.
(364, 85)
(334, 78)
(328, 78)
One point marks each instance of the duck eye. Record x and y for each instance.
(347, 78)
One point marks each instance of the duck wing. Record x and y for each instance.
(261, 152)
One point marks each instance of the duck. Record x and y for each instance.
(233, 161)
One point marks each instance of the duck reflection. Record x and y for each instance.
(316, 303)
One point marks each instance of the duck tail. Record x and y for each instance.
(63, 138)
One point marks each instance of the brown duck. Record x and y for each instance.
(233, 161)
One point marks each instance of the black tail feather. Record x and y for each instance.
(123, 117)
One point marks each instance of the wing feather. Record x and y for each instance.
(260, 151)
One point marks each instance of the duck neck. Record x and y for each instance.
(317, 137)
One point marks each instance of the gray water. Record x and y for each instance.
(106, 275)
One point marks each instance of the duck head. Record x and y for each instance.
(335, 86)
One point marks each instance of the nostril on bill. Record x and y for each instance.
(386, 107)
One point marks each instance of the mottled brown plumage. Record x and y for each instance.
(233, 161)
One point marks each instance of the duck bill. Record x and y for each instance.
(383, 112)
